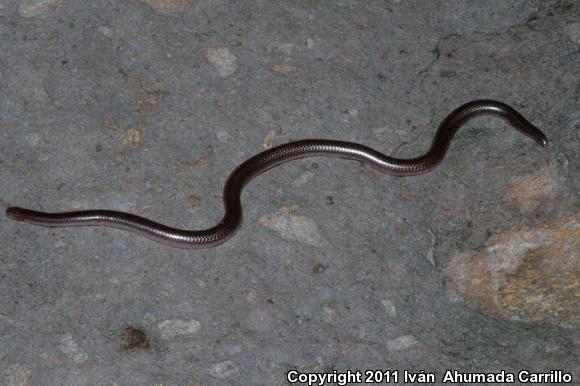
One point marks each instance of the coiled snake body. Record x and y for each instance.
(268, 159)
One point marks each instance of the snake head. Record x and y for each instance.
(14, 213)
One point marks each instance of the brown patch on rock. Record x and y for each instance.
(265, 220)
(530, 275)
(318, 268)
(385, 55)
(134, 339)
(53, 360)
(155, 187)
(193, 201)
(146, 97)
(201, 162)
(529, 192)
(361, 25)
(401, 229)
(109, 124)
(281, 69)
(403, 194)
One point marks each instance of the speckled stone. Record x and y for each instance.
(529, 275)
(148, 105)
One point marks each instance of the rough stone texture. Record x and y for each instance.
(531, 275)
(168, 7)
(529, 192)
(146, 106)
(222, 60)
(292, 227)
(169, 329)
(30, 8)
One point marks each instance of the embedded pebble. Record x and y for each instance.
(33, 139)
(431, 250)
(172, 328)
(154, 186)
(572, 31)
(294, 227)
(224, 370)
(30, 8)
(319, 268)
(222, 61)
(329, 312)
(302, 179)
(110, 124)
(193, 201)
(106, 31)
(283, 48)
(167, 7)
(256, 298)
(269, 139)
(390, 308)
(223, 136)
(132, 139)
(402, 343)
(352, 112)
(71, 349)
(135, 339)
(281, 69)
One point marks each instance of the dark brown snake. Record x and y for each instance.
(265, 160)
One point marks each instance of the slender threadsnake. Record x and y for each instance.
(265, 160)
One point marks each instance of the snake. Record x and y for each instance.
(261, 162)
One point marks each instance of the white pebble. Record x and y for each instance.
(172, 328)
(223, 370)
(71, 349)
(222, 61)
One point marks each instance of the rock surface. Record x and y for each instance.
(530, 275)
(147, 106)
(168, 7)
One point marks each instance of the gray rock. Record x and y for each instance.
(148, 105)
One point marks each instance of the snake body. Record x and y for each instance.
(268, 159)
